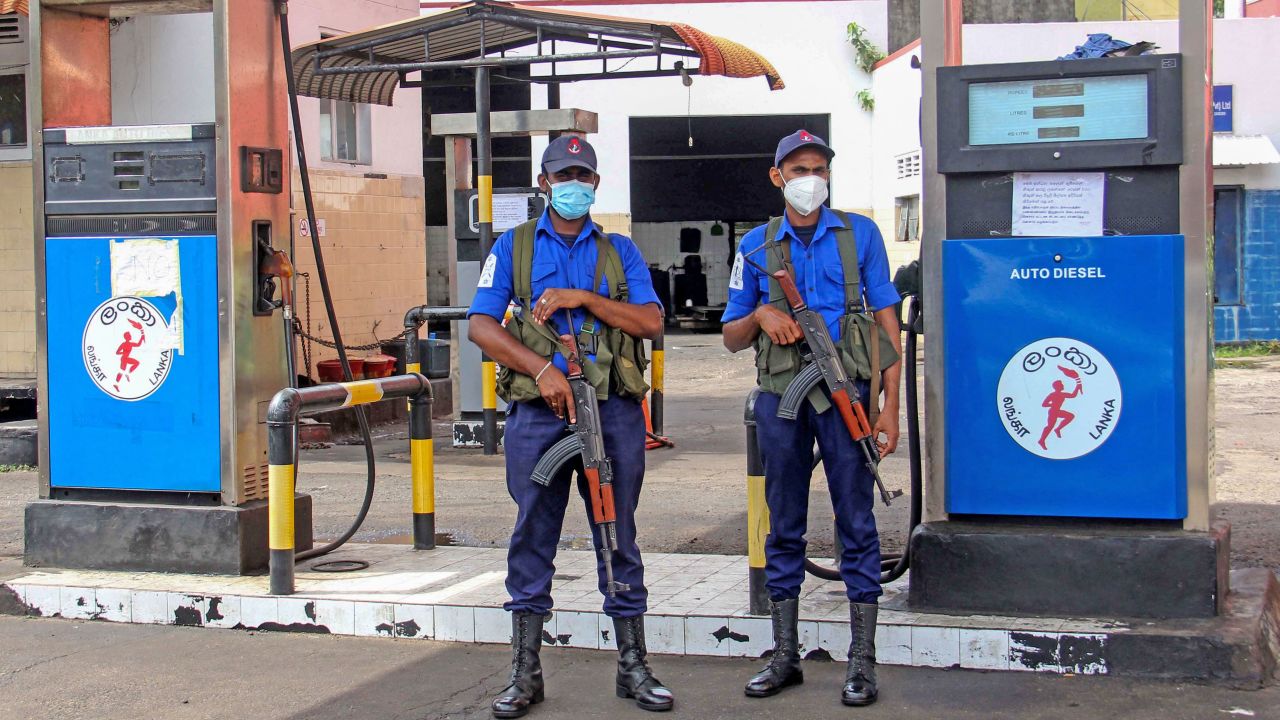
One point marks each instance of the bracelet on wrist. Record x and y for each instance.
(538, 377)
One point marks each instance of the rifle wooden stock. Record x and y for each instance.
(789, 289)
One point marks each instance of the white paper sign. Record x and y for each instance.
(509, 210)
(1058, 204)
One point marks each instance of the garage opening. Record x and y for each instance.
(698, 184)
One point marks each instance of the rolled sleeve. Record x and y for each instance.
(639, 282)
(744, 298)
(878, 287)
(494, 291)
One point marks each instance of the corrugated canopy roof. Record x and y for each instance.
(368, 66)
(1234, 150)
(14, 6)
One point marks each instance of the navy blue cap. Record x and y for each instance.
(797, 140)
(568, 151)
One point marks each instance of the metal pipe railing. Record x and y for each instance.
(282, 450)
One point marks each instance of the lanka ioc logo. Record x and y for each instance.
(127, 348)
(1059, 398)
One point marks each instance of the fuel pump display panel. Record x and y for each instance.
(1106, 107)
(1064, 377)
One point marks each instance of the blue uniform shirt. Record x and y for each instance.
(818, 269)
(559, 264)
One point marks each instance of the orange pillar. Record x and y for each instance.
(75, 54)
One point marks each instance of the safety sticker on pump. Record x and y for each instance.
(1059, 398)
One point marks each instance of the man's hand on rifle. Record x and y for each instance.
(781, 328)
(556, 392)
(886, 425)
(553, 299)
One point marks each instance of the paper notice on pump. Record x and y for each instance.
(509, 210)
(1058, 204)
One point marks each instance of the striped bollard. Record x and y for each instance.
(757, 515)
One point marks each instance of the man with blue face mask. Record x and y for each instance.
(563, 261)
(839, 264)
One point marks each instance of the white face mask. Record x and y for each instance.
(805, 194)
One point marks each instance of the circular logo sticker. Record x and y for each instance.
(1059, 398)
(126, 348)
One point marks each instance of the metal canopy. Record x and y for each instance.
(368, 66)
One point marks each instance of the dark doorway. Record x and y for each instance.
(1228, 215)
(512, 166)
(724, 175)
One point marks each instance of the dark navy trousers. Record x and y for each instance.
(531, 430)
(786, 447)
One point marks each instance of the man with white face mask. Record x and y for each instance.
(839, 264)
(560, 262)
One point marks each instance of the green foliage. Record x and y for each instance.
(868, 53)
(1219, 8)
(15, 468)
(866, 99)
(1245, 350)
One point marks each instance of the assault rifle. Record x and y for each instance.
(587, 441)
(823, 364)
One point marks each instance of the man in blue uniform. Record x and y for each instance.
(563, 261)
(820, 247)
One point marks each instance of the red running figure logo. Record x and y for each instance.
(127, 363)
(1059, 418)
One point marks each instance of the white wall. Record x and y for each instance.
(804, 41)
(396, 130)
(895, 131)
(162, 70)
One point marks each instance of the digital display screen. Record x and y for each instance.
(1109, 107)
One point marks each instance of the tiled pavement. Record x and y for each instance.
(697, 606)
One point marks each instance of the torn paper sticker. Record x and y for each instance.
(150, 267)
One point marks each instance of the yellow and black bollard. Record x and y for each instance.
(484, 191)
(421, 452)
(757, 515)
(657, 371)
(282, 414)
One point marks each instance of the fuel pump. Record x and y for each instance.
(1065, 253)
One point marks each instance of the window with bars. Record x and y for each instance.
(345, 132)
(907, 215)
(345, 128)
(908, 165)
(14, 61)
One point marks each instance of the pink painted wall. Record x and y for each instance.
(396, 130)
(1262, 8)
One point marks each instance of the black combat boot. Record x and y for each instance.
(783, 669)
(635, 679)
(860, 677)
(526, 668)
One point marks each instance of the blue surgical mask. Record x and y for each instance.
(572, 198)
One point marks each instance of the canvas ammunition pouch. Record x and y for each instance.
(619, 362)
(863, 344)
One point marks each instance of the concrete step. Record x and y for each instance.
(698, 606)
(18, 442)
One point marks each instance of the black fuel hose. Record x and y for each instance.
(893, 565)
(282, 8)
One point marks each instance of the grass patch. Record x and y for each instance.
(1247, 350)
(16, 468)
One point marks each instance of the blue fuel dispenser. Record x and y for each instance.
(1062, 470)
(159, 347)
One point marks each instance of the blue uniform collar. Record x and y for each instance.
(545, 226)
(827, 220)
